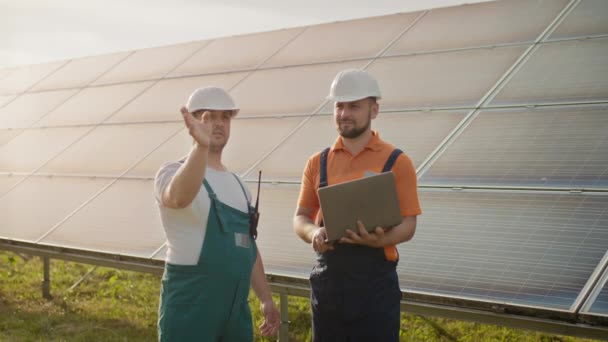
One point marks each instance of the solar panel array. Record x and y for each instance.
(502, 106)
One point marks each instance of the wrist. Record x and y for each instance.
(198, 148)
(383, 241)
(266, 301)
(312, 232)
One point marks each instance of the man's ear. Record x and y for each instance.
(375, 108)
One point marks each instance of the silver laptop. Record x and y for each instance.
(372, 199)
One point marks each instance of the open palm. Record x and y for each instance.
(200, 130)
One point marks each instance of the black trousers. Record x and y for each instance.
(355, 307)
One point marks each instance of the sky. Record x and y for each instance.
(39, 31)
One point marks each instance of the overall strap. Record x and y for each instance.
(323, 168)
(210, 191)
(391, 160)
(242, 188)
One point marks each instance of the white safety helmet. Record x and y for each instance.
(352, 85)
(211, 98)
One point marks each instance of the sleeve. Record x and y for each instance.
(163, 178)
(246, 188)
(407, 186)
(308, 191)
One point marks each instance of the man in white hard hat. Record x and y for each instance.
(355, 290)
(212, 258)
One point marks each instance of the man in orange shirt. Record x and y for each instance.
(355, 289)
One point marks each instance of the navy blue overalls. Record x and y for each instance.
(355, 291)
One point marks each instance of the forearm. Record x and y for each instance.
(186, 182)
(259, 284)
(400, 233)
(304, 227)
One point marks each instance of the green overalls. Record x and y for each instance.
(208, 301)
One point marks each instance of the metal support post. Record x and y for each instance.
(284, 332)
(46, 281)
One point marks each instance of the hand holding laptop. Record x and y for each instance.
(319, 241)
(363, 237)
(349, 206)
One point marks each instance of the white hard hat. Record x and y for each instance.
(352, 85)
(211, 98)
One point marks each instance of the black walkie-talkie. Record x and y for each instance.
(254, 216)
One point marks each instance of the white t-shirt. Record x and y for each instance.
(185, 228)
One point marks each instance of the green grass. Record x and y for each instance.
(116, 305)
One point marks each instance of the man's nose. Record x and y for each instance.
(343, 112)
(217, 122)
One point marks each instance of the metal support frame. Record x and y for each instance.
(515, 316)
(46, 280)
(284, 332)
(587, 296)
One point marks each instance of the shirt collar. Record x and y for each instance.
(374, 143)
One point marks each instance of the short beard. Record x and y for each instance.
(356, 132)
(216, 148)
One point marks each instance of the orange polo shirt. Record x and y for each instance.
(342, 166)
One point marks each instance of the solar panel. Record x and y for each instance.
(282, 251)
(293, 90)
(239, 154)
(162, 101)
(148, 64)
(26, 109)
(543, 147)
(235, 53)
(526, 249)
(23, 77)
(92, 105)
(160, 254)
(587, 19)
(110, 150)
(599, 306)
(123, 220)
(28, 151)
(523, 249)
(7, 182)
(38, 203)
(7, 134)
(451, 79)
(417, 134)
(487, 23)
(4, 72)
(5, 99)
(80, 72)
(335, 41)
(560, 73)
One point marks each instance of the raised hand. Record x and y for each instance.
(199, 129)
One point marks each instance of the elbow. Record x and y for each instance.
(181, 204)
(296, 223)
(409, 236)
(410, 233)
(175, 202)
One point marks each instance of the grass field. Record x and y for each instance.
(116, 305)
